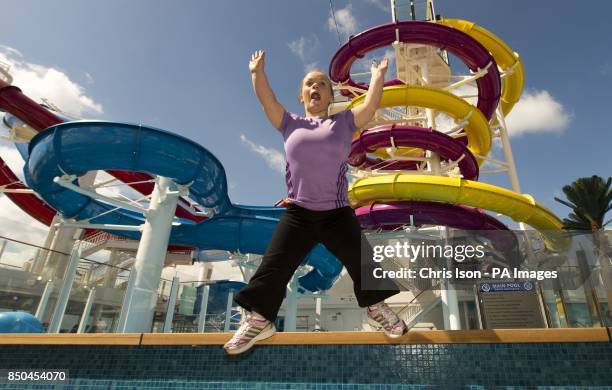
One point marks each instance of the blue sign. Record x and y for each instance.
(519, 285)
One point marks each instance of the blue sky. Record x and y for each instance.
(182, 66)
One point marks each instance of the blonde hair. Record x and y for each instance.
(327, 79)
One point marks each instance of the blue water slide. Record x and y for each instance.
(74, 148)
(10, 120)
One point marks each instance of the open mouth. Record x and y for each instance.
(315, 96)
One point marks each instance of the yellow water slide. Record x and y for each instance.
(404, 186)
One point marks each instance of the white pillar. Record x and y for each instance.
(150, 258)
(2, 246)
(171, 304)
(318, 307)
(39, 264)
(63, 242)
(65, 238)
(124, 304)
(448, 296)
(228, 311)
(503, 132)
(450, 307)
(203, 308)
(203, 272)
(44, 300)
(85, 316)
(291, 302)
(64, 293)
(110, 274)
(433, 164)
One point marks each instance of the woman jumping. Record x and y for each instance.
(317, 147)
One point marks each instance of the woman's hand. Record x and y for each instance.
(380, 68)
(257, 61)
(365, 112)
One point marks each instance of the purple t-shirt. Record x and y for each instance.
(317, 151)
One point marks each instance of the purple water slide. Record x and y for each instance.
(472, 53)
(447, 147)
(392, 215)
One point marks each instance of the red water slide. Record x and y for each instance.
(13, 101)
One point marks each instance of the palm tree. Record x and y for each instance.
(590, 198)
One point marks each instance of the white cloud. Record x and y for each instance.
(89, 78)
(311, 66)
(344, 20)
(305, 48)
(16, 224)
(380, 4)
(12, 158)
(274, 158)
(364, 64)
(10, 50)
(466, 90)
(118, 189)
(537, 112)
(38, 82)
(444, 122)
(606, 69)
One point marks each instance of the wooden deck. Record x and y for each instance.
(556, 335)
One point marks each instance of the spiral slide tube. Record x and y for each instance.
(388, 201)
(507, 60)
(471, 52)
(447, 147)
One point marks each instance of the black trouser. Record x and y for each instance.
(297, 232)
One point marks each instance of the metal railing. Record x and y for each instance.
(29, 282)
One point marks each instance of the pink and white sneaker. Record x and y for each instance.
(384, 317)
(252, 330)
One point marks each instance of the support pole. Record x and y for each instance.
(228, 311)
(150, 258)
(171, 304)
(291, 305)
(203, 308)
(65, 239)
(450, 307)
(64, 293)
(124, 304)
(39, 264)
(503, 133)
(448, 295)
(63, 243)
(44, 300)
(2, 246)
(318, 307)
(85, 316)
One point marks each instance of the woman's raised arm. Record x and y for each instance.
(273, 109)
